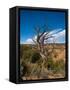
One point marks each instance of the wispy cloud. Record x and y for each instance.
(58, 37)
(58, 34)
(29, 41)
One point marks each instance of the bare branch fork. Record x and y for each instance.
(40, 41)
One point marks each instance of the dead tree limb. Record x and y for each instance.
(42, 37)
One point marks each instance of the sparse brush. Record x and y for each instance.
(50, 64)
(59, 66)
(35, 57)
(32, 64)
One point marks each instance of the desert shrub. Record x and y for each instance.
(25, 53)
(56, 67)
(23, 69)
(59, 66)
(35, 57)
(50, 64)
(23, 49)
(26, 47)
(35, 70)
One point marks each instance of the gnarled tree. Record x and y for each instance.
(42, 40)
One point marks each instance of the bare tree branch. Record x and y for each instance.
(42, 37)
(42, 34)
(46, 33)
(34, 41)
(49, 37)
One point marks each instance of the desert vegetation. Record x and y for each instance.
(34, 67)
(42, 60)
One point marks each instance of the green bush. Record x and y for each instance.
(50, 64)
(23, 49)
(35, 57)
(23, 69)
(25, 53)
(59, 66)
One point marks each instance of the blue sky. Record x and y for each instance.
(29, 19)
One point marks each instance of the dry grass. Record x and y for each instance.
(53, 68)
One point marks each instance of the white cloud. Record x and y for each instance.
(59, 37)
(35, 37)
(55, 31)
(29, 41)
(62, 33)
